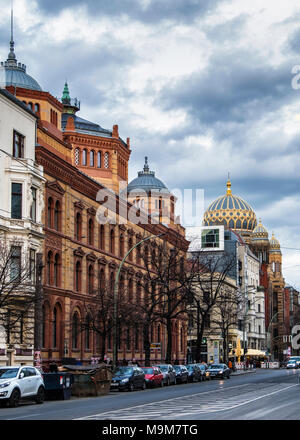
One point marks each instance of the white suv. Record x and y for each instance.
(18, 383)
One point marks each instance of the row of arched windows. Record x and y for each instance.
(91, 158)
(53, 269)
(54, 214)
(84, 332)
(34, 107)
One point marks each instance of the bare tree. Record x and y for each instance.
(208, 274)
(225, 314)
(17, 292)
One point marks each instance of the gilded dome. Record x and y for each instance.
(260, 232)
(231, 211)
(274, 244)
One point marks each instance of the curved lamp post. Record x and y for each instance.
(116, 286)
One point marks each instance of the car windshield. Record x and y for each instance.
(220, 367)
(177, 367)
(190, 367)
(148, 370)
(8, 373)
(123, 371)
(163, 367)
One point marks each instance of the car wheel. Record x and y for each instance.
(175, 381)
(144, 385)
(40, 397)
(14, 399)
(130, 386)
(228, 377)
(161, 383)
(168, 382)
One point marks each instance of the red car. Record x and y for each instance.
(153, 377)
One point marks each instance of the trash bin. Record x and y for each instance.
(90, 381)
(58, 386)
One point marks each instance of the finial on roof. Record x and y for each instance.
(12, 55)
(146, 166)
(228, 186)
(66, 94)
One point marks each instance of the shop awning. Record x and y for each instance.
(252, 352)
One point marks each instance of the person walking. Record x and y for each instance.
(230, 364)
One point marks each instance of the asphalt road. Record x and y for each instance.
(263, 395)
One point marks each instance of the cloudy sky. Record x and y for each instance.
(202, 87)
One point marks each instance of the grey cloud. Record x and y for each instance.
(179, 10)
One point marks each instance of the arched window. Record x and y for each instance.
(56, 270)
(130, 244)
(92, 158)
(88, 321)
(146, 256)
(30, 106)
(84, 157)
(101, 237)
(99, 159)
(112, 282)
(158, 334)
(78, 276)
(50, 210)
(231, 224)
(91, 232)
(136, 328)
(238, 224)
(138, 292)
(112, 242)
(45, 326)
(90, 279)
(37, 108)
(181, 339)
(101, 280)
(49, 268)
(57, 216)
(245, 224)
(109, 331)
(106, 160)
(54, 328)
(78, 224)
(122, 245)
(75, 330)
(77, 156)
(130, 290)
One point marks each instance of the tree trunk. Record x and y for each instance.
(169, 343)
(146, 344)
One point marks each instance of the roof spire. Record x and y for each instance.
(229, 186)
(11, 56)
(66, 94)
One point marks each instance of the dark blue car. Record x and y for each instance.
(128, 378)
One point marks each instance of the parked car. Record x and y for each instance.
(153, 377)
(168, 373)
(128, 378)
(182, 374)
(219, 371)
(292, 364)
(194, 373)
(204, 372)
(21, 382)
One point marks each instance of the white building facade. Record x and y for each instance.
(21, 206)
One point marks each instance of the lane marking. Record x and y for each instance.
(24, 417)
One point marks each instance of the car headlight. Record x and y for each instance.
(125, 380)
(4, 385)
(220, 371)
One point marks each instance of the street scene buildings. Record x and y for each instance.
(82, 283)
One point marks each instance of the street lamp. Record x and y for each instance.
(115, 350)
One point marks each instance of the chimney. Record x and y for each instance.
(115, 132)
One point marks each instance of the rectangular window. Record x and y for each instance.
(16, 200)
(33, 206)
(210, 238)
(32, 265)
(15, 263)
(18, 145)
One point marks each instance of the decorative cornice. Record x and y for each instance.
(91, 211)
(91, 257)
(112, 265)
(79, 205)
(102, 261)
(55, 186)
(79, 252)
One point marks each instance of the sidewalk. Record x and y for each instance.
(239, 372)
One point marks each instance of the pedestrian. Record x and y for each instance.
(230, 364)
